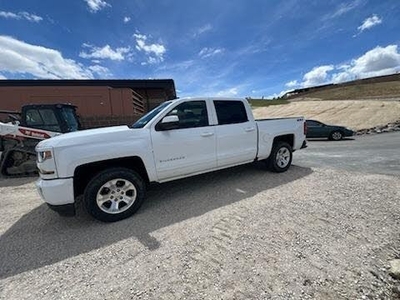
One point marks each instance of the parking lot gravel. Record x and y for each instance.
(375, 154)
(242, 233)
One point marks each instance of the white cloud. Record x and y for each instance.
(292, 84)
(208, 52)
(20, 57)
(154, 52)
(276, 95)
(370, 22)
(104, 53)
(342, 77)
(178, 67)
(31, 17)
(127, 19)
(2, 77)
(317, 76)
(376, 62)
(100, 70)
(344, 8)
(22, 15)
(202, 30)
(9, 15)
(231, 92)
(96, 5)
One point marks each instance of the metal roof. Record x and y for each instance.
(166, 84)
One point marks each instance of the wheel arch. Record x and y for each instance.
(84, 173)
(287, 138)
(275, 157)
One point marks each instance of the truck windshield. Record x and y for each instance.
(150, 115)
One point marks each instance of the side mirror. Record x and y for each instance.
(168, 123)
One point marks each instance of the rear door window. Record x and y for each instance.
(230, 112)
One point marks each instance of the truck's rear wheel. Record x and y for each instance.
(280, 158)
(114, 194)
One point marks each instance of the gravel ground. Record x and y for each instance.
(375, 154)
(241, 233)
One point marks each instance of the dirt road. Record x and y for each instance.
(242, 233)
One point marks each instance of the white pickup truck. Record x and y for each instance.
(111, 167)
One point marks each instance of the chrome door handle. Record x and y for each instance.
(249, 129)
(205, 134)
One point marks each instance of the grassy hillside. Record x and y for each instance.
(377, 90)
(383, 87)
(263, 102)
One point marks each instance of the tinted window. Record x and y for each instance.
(69, 117)
(191, 114)
(42, 118)
(313, 123)
(33, 118)
(230, 112)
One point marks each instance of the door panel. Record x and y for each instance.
(187, 150)
(312, 131)
(184, 151)
(316, 129)
(236, 143)
(236, 135)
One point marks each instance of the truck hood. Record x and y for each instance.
(91, 136)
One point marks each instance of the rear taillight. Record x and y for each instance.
(305, 128)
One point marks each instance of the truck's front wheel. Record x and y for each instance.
(114, 194)
(280, 158)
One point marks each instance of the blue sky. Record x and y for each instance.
(250, 48)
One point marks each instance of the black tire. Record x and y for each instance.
(108, 201)
(280, 158)
(336, 135)
(5, 162)
(12, 167)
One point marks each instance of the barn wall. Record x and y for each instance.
(96, 106)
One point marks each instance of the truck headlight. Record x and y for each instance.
(44, 155)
